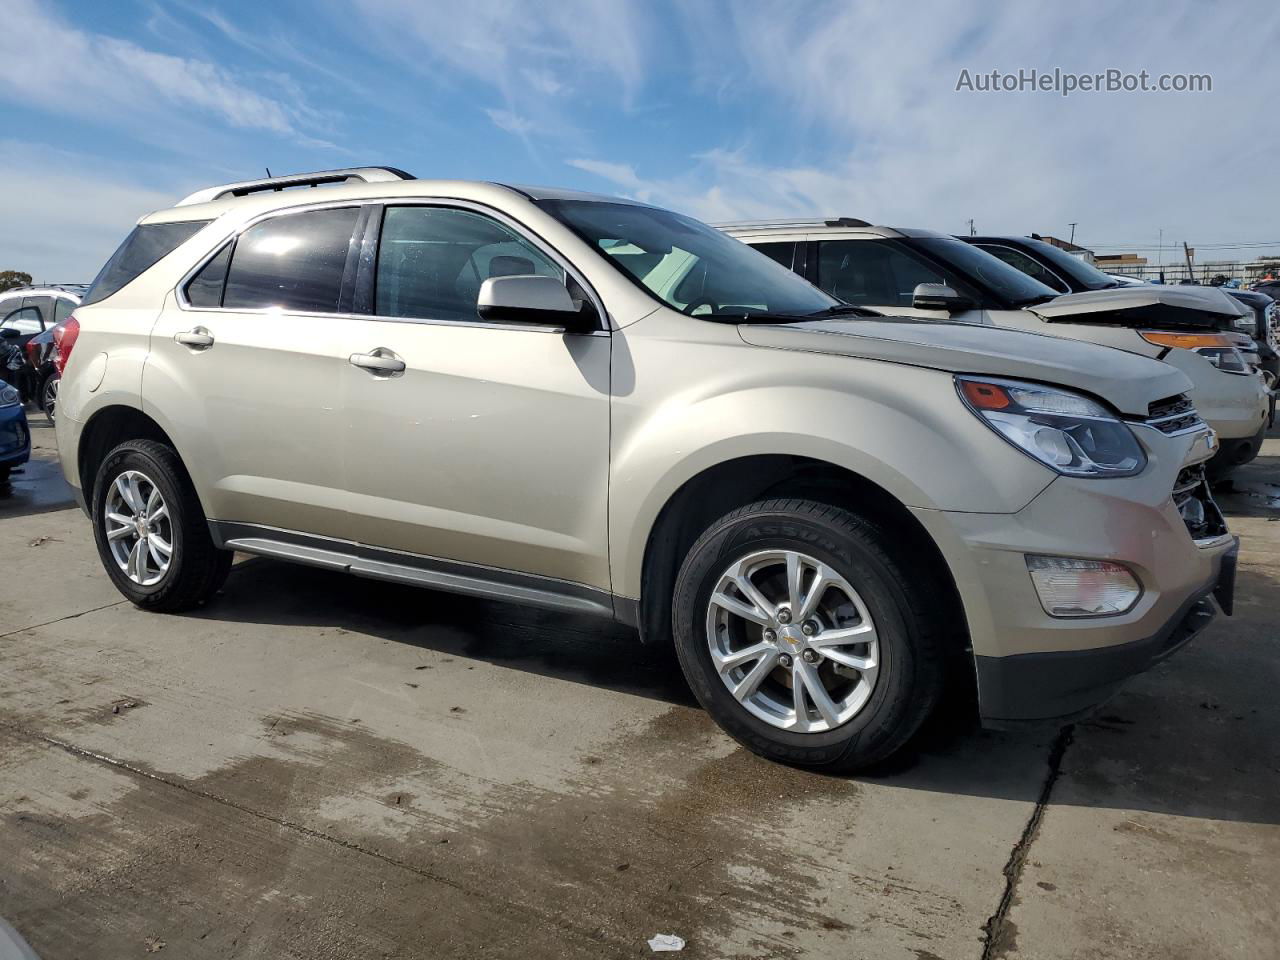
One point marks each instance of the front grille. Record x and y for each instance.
(1173, 415)
(1196, 505)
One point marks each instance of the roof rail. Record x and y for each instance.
(796, 222)
(246, 187)
(79, 288)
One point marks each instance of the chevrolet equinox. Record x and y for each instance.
(602, 407)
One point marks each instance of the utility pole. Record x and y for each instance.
(972, 232)
(1160, 255)
(1073, 233)
(1191, 272)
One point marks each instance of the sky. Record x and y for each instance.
(722, 110)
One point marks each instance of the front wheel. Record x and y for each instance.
(805, 637)
(151, 533)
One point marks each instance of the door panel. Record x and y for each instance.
(258, 413)
(253, 394)
(491, 446)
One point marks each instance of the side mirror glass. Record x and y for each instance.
(939, 296)
(530, 299)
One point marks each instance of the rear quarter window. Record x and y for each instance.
(141, 250)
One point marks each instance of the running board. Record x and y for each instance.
(473, 580)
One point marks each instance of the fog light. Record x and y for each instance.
(1083, 588)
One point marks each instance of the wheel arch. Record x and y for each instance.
(107, 428)
(726, 486)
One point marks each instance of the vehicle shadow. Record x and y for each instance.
(1196, 736)
(37, 486)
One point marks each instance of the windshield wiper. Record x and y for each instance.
(1033, 301)
(845, 310)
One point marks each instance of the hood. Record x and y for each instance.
(1159, 307)
(1128, 381)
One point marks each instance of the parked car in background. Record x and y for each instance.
(15, 436)
(25, 313)
(1067, 274)
(599, 406)
(1270, 287)
(938, 277)
(41, 353)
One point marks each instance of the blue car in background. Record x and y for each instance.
(15, 437)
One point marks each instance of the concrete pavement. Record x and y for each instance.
(322, 766)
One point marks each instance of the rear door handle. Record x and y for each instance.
(380, 360)
(197, 339)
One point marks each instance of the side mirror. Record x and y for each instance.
(939, 296)
(10, 333)
(531, 299)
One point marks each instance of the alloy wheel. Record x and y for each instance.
(50, 398)
(792, 641)
(138, 527)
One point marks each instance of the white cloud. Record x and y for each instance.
(64, 214)
(48, 63)
(529, 56)
(510, 122)
(871, 124)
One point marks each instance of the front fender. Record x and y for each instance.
(903, 428)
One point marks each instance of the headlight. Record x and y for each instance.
(1226, 359)
(1067, 432)
(1218, 348)
(8, 395)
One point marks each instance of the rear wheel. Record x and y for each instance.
(49, 395)
(151, 533)
(803, 635)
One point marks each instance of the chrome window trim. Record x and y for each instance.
(180, 290)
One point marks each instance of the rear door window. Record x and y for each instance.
(292, 262)
(141, 250)
(1021, 261)
(872, 272)
(784, 252)
(43, 306)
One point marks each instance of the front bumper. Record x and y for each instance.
(15, 437)
(1060, 687)
(1133, 521)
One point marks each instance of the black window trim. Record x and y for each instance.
(988, 244)
(361, 269)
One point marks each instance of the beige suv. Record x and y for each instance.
(602, 407)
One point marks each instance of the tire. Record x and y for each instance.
(48, 395)
(903, 608)
(196, 569)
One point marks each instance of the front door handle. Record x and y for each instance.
(198, 338)
(381, 361)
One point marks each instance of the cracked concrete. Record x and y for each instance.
(320, 766)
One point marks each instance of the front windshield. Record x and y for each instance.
(688, 265)
(981, 268)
